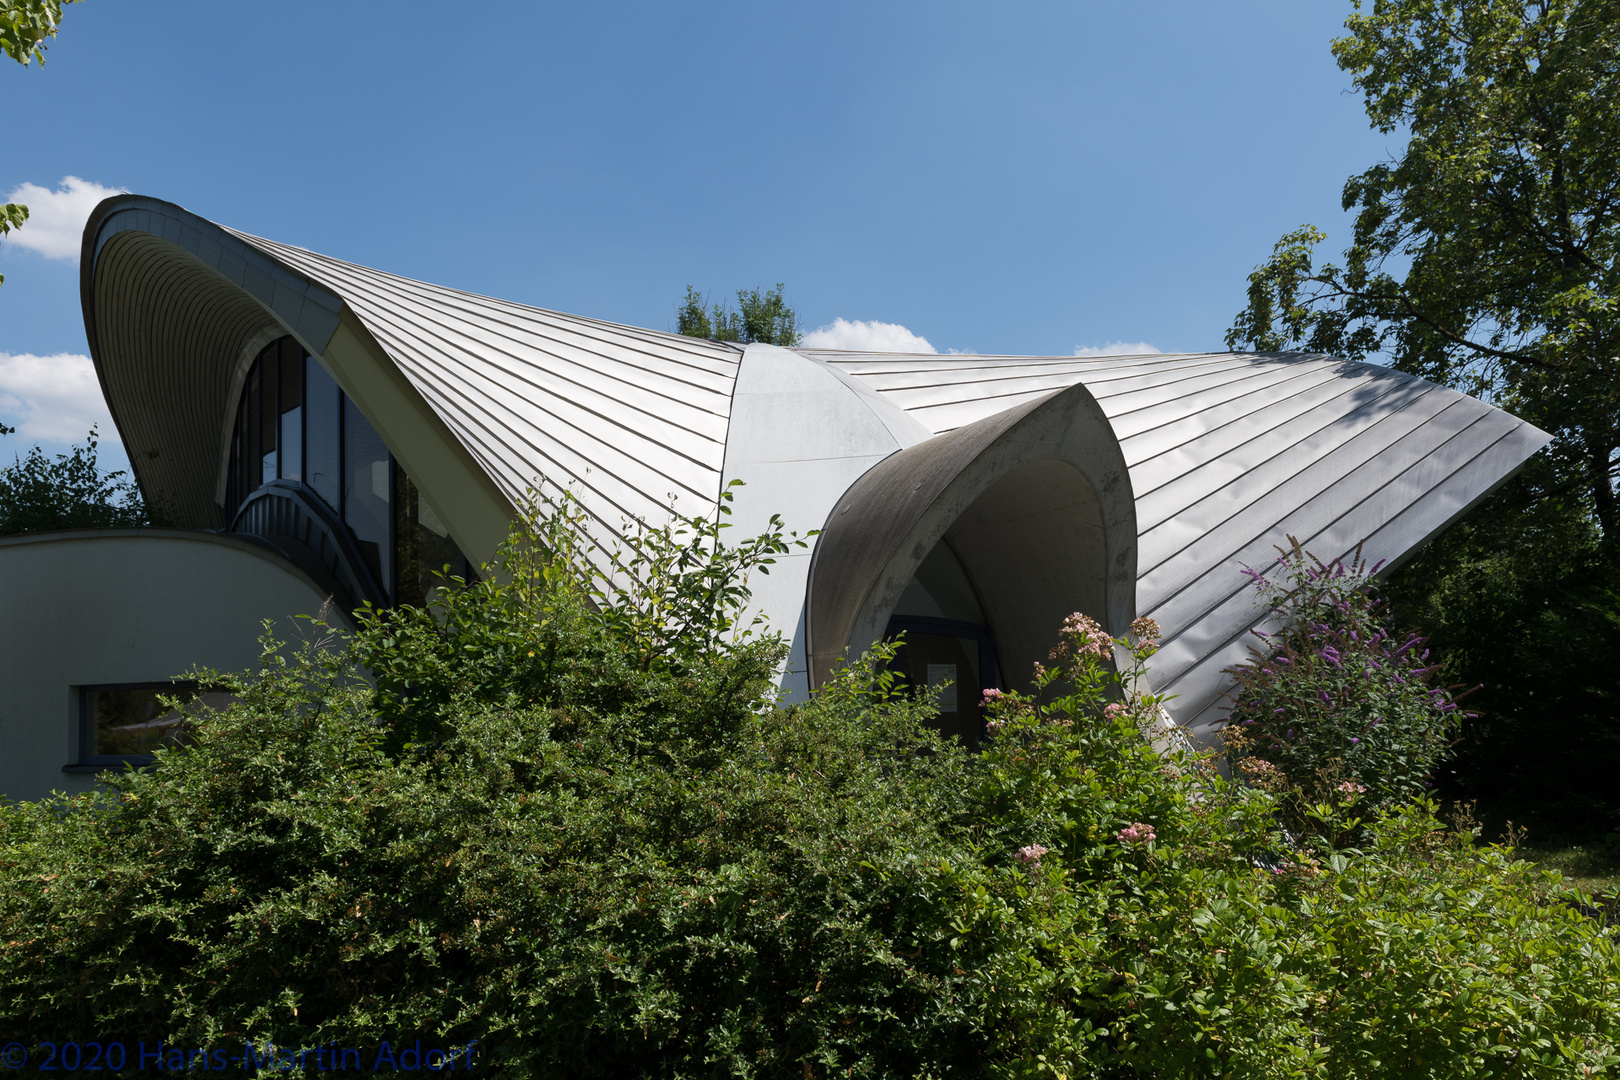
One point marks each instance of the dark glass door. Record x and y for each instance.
(953, 663)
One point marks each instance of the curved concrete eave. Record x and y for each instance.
(176, 308)
(888, 521)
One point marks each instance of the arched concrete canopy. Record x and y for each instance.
(1036, 502)
(176, 308)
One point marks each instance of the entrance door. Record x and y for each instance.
(954, 661)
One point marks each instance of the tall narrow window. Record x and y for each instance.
(425, 549)
(292, 412)
(323, 467)
(367, 492)
(251, 468)
(267, 415)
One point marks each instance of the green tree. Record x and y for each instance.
(1483, 256)
(25, 27)
(40, 493)
(760, 316)
(562, 815)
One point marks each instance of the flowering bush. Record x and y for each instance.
(1170, 928)
(1334, 696)
(536, 819)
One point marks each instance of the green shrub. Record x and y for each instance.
(1150, 919)
(1335, 697)
(556, 825)
(565, 819)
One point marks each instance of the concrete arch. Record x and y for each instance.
(176, 308)
(1036, 502)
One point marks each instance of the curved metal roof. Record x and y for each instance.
(1225, 452)
(1228, 453)
(633, 420)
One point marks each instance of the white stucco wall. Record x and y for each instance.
(102, 606)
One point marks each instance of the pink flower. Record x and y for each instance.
(991, 696)
(1136, 833)
(992, 727)
(1031, 855)
(1146, 632)
(1082, 636)
(1350, 787)
(1117, 709)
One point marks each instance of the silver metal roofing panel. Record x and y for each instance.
(1227, 454)
(632, 420)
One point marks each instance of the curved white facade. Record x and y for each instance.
(98, 607)
(1183, 467)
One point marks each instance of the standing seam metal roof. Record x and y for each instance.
(1228, 453)
(632, 419)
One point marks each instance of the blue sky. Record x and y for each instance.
(1019, 178)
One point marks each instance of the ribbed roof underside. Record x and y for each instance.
(632, 420)
(1230, 452)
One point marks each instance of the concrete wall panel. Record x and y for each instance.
(107, 606)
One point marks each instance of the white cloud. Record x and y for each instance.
(52, 399)
(55, 225)
(1116, 348)
(862, 336)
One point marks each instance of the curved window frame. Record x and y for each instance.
(270, 459)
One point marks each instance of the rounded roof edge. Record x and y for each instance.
(888, 520)
(308, 309)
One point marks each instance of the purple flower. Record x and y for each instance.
(1331, 655)
(1355, 740)
(1290, 734)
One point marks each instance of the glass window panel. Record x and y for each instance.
(322, 467)
(250, 431)
(291, 405)
(292, 465)
(367, 492)
(233, 475)
(130, 721)
(425, 550)
(267, 415)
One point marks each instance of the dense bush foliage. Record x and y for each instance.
(1334, 696)
(68, 491)
(567, 821)
(1523, 599)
